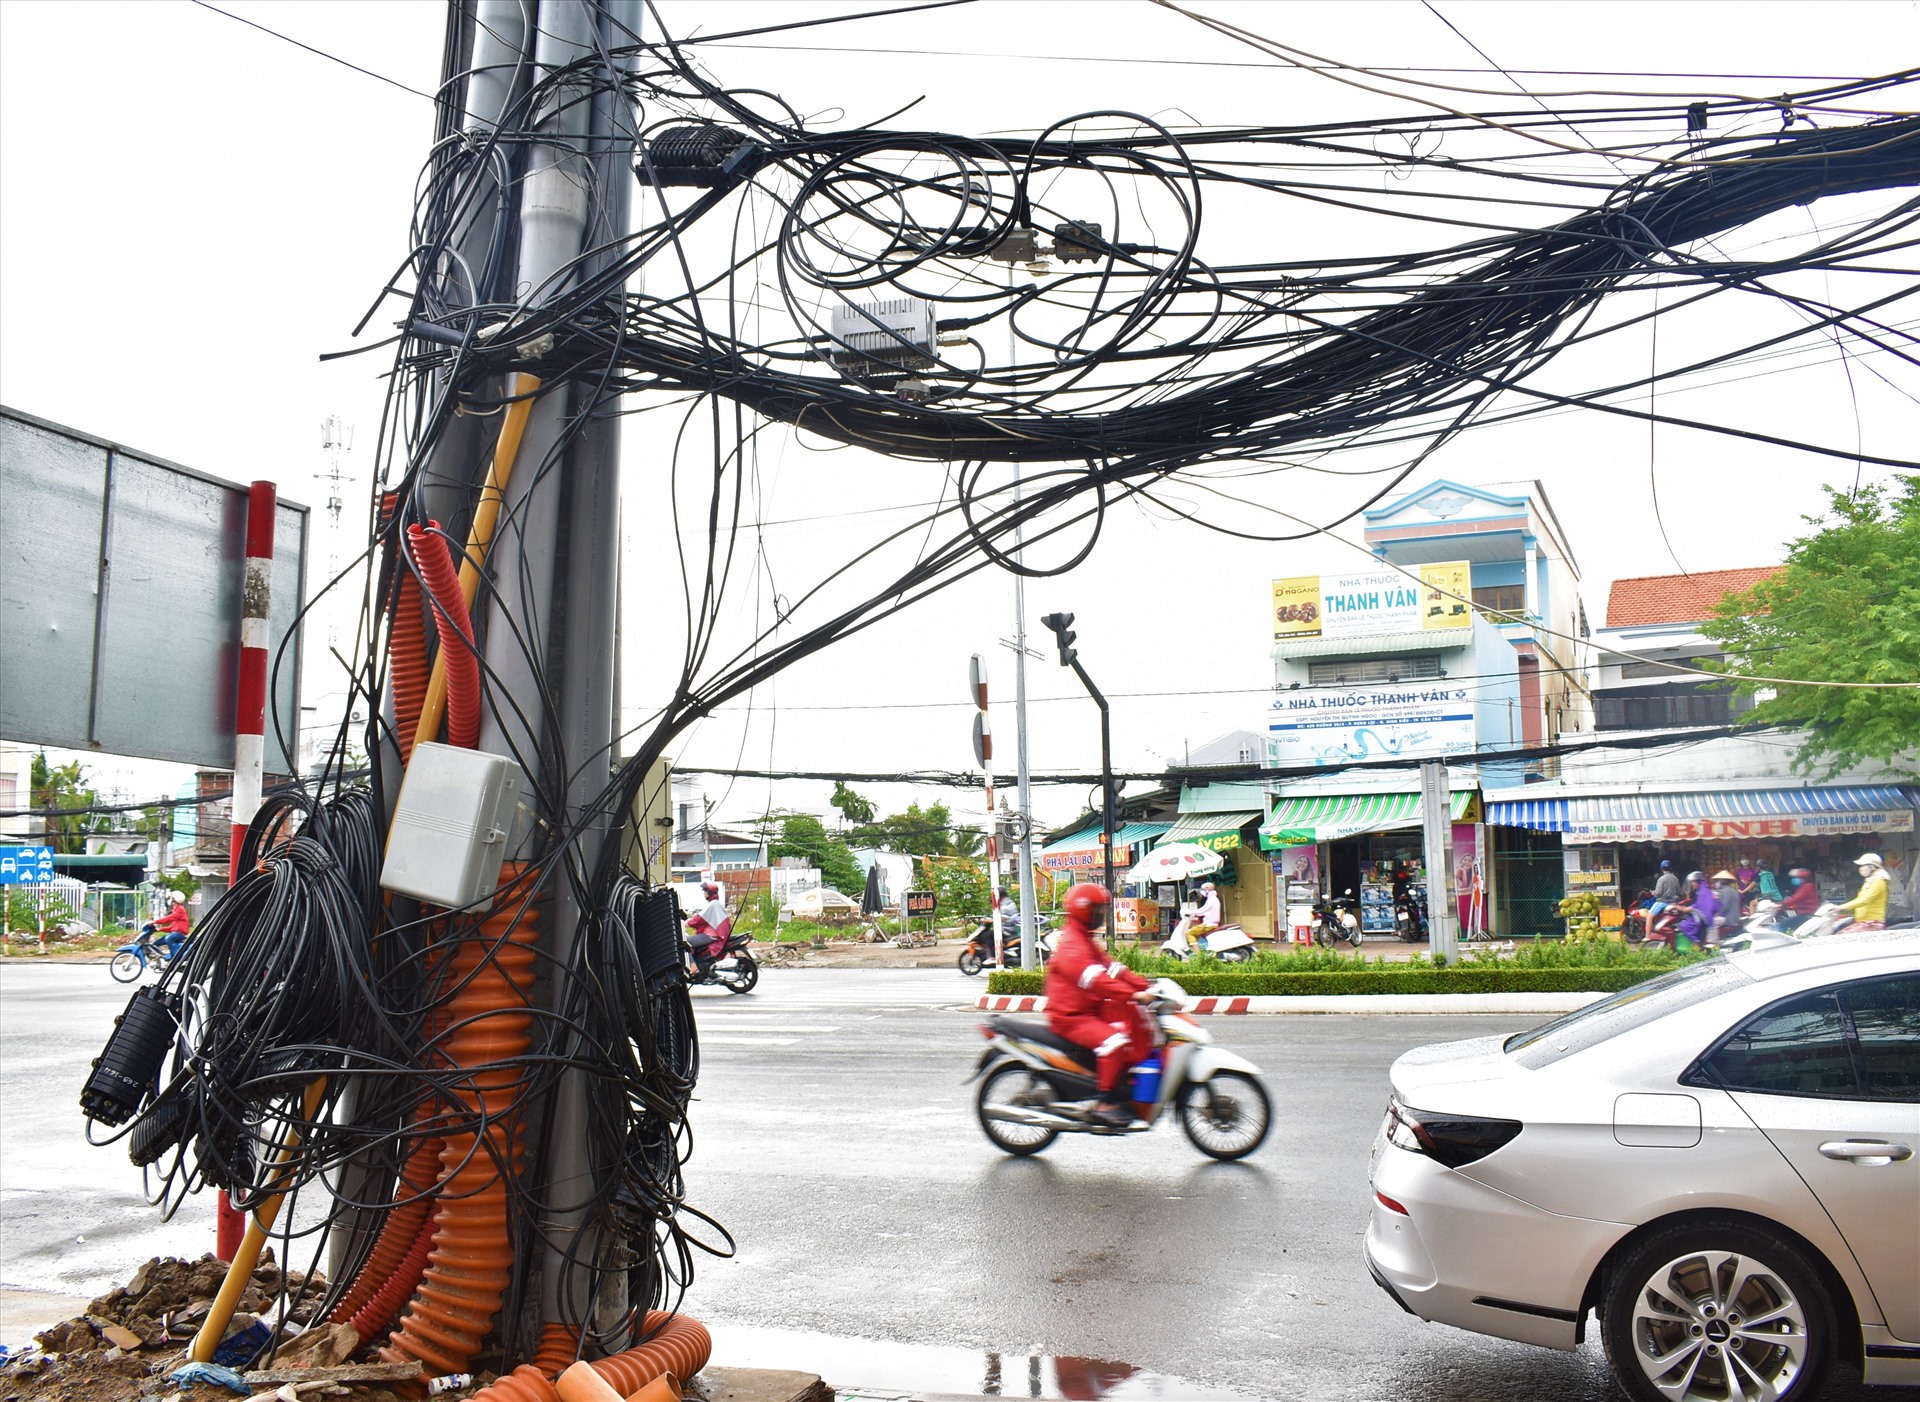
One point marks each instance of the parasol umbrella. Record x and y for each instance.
(1174, 861)
(870, 903)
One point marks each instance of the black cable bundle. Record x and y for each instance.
(638, 1042)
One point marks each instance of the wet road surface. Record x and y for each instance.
(835, 1140)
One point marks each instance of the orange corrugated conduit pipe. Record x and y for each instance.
(404, 1225)
(407, 660)
(488, 1022)
(681, 1347)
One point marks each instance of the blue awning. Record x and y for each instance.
(1663, 817)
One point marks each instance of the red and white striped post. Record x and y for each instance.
(983, 752)
(249, 739)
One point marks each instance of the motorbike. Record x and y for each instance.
(1036, 1086)
(979, 949)
(132, 960)
(1334, 918)
(1228, 943)
(731, 966)
(1410, 918)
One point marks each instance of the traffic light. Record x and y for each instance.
(1063, 634)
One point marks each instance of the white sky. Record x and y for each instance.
(192, 211)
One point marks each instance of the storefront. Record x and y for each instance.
(1243, 880)
(1332, 843)
(1614, 843)
(1081, 856)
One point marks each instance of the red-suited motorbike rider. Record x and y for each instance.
(1092, 1000)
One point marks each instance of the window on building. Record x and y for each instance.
(1408, 667)
(1667, 707)
(1635, 671)
(1501, 598)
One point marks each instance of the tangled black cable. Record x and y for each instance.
(1100, 300)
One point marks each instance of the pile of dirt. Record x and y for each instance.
(132, 1337)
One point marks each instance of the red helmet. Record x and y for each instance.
(1087, 904)
(711, 889)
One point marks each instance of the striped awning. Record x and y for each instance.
(1081, 847)
(1330, 817)
(1718, 816)
(1217, 832)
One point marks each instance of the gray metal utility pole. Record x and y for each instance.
(547, 626)
(1436, 826)
(555, 212)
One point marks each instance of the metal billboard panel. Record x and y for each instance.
(120, 580)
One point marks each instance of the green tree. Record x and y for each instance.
(183, 881)
(65, 803)
(923, 832)
(1846, 608)
(804, 836)
(154, 823)
(961, 884)
(855, 811)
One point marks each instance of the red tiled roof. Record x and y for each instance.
(1677, 598)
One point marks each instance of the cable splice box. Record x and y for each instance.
(450, 826)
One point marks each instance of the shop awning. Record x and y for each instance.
(1217, 832)
(1330, 817)
(1080, 849)
(1719, 816)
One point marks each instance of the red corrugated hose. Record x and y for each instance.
(455, 624)
(403, 1227)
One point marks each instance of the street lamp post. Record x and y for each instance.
(1061, 625)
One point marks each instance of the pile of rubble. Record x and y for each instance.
(132, 1341)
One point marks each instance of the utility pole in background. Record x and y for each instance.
(1436, 824)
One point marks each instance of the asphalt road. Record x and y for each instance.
(882, 1241)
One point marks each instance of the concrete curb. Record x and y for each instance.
(1520, 1004)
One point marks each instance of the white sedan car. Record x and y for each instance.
(1720, 1163)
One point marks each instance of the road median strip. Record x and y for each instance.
(1520, 1004)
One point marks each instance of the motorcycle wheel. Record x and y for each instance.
(1014, 1085)
(742, 976)
(970, 962)
(126, 967)
(1323, 934)
(1227, 1116)
(1236, 956)
(1359, 936)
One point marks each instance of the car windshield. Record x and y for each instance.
(1624, 1011)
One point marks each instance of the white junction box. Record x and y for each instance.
(450, 827)
(896, 334)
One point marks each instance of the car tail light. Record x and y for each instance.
(1454, 1140)
(1390, 1204)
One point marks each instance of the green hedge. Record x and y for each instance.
(1375, 978)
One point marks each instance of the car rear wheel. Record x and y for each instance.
(1718, 1312)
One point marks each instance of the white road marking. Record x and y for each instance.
(708, 1040)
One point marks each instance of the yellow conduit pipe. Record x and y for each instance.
(214, 1329)
(486, 517)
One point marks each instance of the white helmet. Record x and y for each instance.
(1868, 859)
(175, 898)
